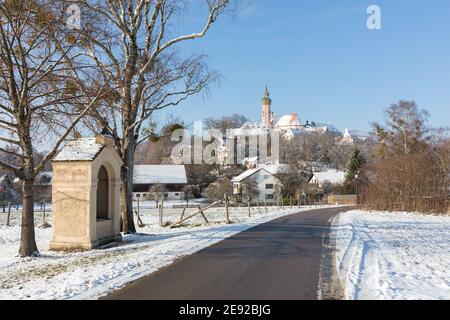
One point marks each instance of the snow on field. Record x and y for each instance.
(89, 275)
(395, 256)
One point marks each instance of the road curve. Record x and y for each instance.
(277, 260)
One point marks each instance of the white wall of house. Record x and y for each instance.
(332, 176)
(269, 186)
(176, 195)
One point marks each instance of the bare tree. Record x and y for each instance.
(199, 175)
(216, 190)
(250, 189)
(406, 128)
(157, 191)
(293, 179)
(135, 48)
(41, 89)
(412, 173)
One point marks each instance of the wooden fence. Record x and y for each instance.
(334, 199)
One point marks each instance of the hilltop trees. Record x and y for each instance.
(226, 122)
(155, 146)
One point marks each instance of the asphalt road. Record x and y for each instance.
(278, 260)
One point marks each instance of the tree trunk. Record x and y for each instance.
(126, 192)
(28, 245)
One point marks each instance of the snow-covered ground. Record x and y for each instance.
(401, 256)
(89, 275)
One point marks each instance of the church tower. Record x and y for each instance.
(267, 109)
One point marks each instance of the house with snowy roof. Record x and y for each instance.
(265, 177)
(170, 180)
(332, 176)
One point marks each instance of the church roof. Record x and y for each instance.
(288, 120)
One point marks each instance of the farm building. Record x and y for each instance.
(149, 180)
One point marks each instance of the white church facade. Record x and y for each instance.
(289, 125)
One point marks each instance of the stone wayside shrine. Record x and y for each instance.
(86, 194)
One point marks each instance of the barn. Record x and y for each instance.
(149, 180)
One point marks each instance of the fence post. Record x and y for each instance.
(161, 217)
(138, 211)
(43, 215)
(265, 204)
(248, 205)
(182, 213)
(227, 214)
(290, 200)
(8, 217)
(203, 215)
(140, 223)
(259, 208)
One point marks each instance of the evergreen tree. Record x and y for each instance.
(357, 161)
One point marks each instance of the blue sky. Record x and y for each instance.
(320, 60)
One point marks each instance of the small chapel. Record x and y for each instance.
(86, 194)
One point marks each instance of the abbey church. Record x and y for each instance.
(289, 125)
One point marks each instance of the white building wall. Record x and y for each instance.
(176, 195)
(265, 180)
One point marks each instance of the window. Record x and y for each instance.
(102, 194)
(269, 186)
(269, 196)
(177, 194)
(138, 195)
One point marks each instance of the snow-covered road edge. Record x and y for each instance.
(330, 286)
(385, 255)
